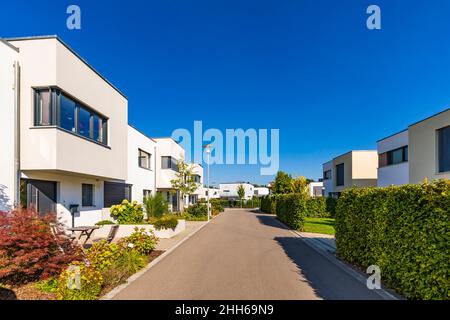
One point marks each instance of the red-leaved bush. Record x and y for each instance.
(33, 247)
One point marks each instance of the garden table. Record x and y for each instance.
(84, 231)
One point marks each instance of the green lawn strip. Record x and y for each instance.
(319, 225)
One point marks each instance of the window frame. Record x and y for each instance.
(385, 159)
(91, 202)
(441, 168)
(55, 97)
(149, 159)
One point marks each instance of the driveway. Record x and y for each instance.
(246, 255)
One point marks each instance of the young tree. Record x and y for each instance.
(282, 183)
(184, 181)
(300, 185)
(241, 193)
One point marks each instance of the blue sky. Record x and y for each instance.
(310, 68)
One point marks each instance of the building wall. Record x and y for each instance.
(69, 192)
(423, 160)
(166, 147)
(329, 183)
(47, 62)
(346, 159)
(141, 178)
(364, 168)
(229, 190)
(397, 174)
(215, 193)
(262, 191)
(7, 177)
(313, 186)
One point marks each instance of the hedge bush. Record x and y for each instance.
(405, 230)
(166, 222)
(316, 208)
(128, 212)
(331, 206)
(268, 204)
(291, 209)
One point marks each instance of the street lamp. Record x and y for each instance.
(208, 152)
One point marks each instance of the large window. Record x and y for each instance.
(340, 174)
(396, 156)
(115, 192)
(54, 108)
(327, 175)
(444, 149)
(87, 195)
(169, 163)
(197, 178)
(144, 159)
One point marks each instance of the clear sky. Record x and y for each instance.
(309, 68)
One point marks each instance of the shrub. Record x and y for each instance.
(331, 206)
(291, 209)
(216, 206)
(404, 230)
(128, 263)
(49, 285)
(166, 222)
(128, 212)
(101, 255)
(104, 223)
(30, 249)
(268, 204)
(197, 210)
(91, 282)
(156, 205)
(317, 208)
(141, 241)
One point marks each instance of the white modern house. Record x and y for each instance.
(261, 191)
(141, 164)
(169, 152)
(66, 143)
(214, 193)
(230, 190)
(197, 170)
(418, 152)
(356, 168)
(316, 189)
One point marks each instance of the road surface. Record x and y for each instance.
(245, 255)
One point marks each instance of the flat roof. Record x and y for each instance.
(348, 153)
(147, 136)
(71, 50)
(9, 45)
(427, 118)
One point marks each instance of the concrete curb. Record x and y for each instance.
(328, 253)
(110, 295)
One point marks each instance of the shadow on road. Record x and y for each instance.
(327, 279)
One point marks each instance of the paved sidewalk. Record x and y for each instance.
(191, 227)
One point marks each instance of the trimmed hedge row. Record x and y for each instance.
(404, 230)
(320, 207)
(291, 209)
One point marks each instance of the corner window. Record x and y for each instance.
(327, 175)
(54, 108)
(444, 149)
(144, 159)
(340, 174)
(87, 195)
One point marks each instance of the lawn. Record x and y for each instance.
(319, 225)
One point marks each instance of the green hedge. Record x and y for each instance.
(268, 204)
(316, 208)
(320, 207)
(291, 209)
(404, 230)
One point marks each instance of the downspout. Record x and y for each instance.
(17, 133)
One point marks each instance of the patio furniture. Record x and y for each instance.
(112, 233)
(84, 231)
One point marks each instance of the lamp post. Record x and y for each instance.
(208, 152)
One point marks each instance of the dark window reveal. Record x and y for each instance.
(340, 174)
(444, 149)
(87, 195)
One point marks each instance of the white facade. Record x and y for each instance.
(328, 181)
(230, 190)
(9, 56)
(396, 174)
(141, 164)
(316, 189)
(214, 193)
(261, 191)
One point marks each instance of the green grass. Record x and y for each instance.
(319, 225)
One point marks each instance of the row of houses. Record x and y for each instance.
(66, 145)
(419, 152)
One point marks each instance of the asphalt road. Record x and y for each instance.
(245, 255)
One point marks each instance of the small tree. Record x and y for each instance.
(241, 193)
(155, 205)
(184, 181)
(282, 183)
(300, 185)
